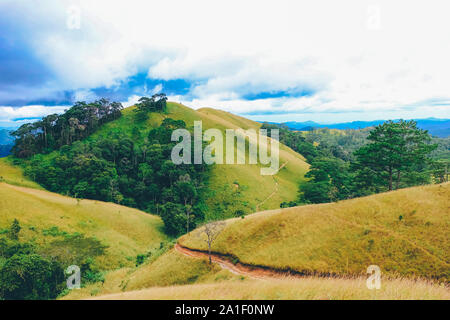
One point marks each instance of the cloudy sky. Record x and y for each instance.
(327, 61)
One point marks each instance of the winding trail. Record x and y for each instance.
(274, 192)
(238, 268)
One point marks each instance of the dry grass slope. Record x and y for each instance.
(126, 231)
(12, 174)
(170, 269)
(405, 232)
(293, 289)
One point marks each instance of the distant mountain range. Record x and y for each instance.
(436, 127)
(6, 142)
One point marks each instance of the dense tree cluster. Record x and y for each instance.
(295, 140)
(54, 130)
(338, 143)
(330, 181)
(117, 168)
(30, 277)
(30, 271)
(155, 103)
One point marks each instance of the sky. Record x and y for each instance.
(324, 60)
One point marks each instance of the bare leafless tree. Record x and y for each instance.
(212, 231)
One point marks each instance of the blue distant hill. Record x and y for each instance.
(6, 142)
(5, 137)
(436, 127)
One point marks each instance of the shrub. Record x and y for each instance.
(239, 213)
(30, 277)
(140, 259)
(14, 230)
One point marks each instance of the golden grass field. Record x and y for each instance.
(322, 235)
(344, 238)
(126, 231)
(174, 276)
(290, 289)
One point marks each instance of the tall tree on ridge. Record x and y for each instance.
(395, 149)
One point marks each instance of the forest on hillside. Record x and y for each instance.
(132, 166)
(351, 163)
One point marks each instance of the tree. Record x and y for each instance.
(55, 131)
(189, 216)
(160, 102)
(330, 181)
(289, 204)
(440, 170)
(174, 218)
(14, 230)
(155, 103)
(212, 231)
(394, 151)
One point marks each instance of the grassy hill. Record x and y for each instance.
(46, 216)
(12, 174)
(237, 185)
(405, 232)
(316, 238)
(47, 219)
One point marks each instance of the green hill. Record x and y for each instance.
(257, 192)
(231, 187)
(335, 241)
(50, 222)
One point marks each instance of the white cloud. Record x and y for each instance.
(157, 89)
(354, 60)
(14, 117)
(131, 101)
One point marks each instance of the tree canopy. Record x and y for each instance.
(155, 103)
(54, 130)
(396, 150)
